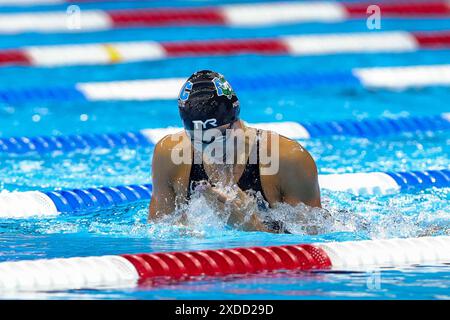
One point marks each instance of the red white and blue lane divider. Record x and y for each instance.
(295, 130)
(235, 15)
(146, 269)
(389, 78)
(78, 201)
(295, 45)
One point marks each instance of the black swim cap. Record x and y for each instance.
(207, 101)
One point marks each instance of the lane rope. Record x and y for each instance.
(368, 128)
(388, 78)
(79, 201)
(295, 45)
(147, 269)
(235, 15)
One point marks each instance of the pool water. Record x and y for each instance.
(125, 230)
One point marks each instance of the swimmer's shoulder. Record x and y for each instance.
(169, 141)
(297, 167)
(165, 148)
(292, 155)
(290, 147)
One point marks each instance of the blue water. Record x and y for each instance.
(124, 229)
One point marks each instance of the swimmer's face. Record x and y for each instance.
(209, 136)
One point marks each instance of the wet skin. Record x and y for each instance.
(296, 180)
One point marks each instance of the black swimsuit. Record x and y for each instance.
(250, 180)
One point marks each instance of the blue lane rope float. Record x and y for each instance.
(389, 78)
(77, 201)
(424, 179)
(30, 95)
(45, 144)
(296, 130)
(295, 80)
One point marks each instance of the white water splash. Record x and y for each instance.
(201, 218)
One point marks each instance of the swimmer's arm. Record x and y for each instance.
(298, 176)
(163, 195)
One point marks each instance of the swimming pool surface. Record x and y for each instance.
(125, 230)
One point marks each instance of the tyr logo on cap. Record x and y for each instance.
(199, 124)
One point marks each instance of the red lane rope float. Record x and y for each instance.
(435, 40)
(14, 57)
(401, 9)
(223, 262)
(202, 16)
(225, 47)
(220, 15)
